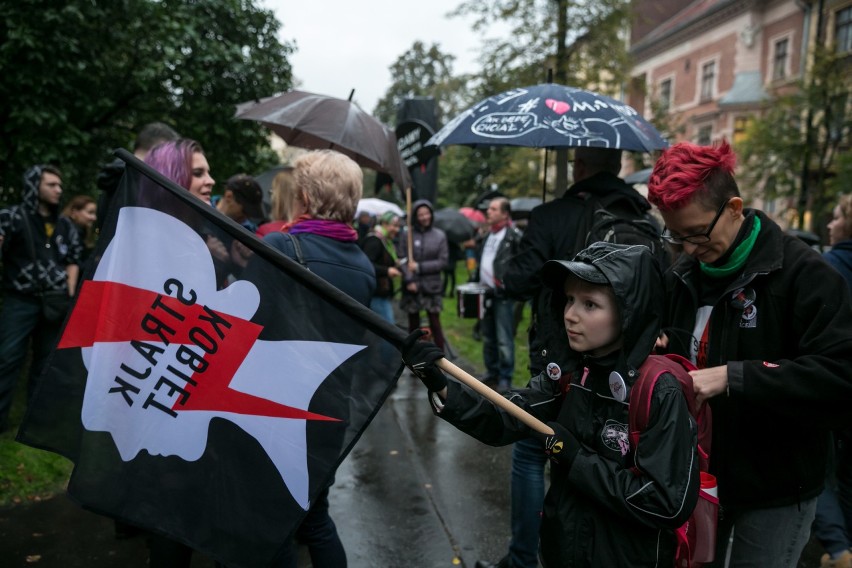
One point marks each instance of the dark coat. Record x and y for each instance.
(840, 257)
(597, 512)
(788, 356)
(342, 264)
(375, 249)
(431, 253)
(506, 252)
(53, 253)
(551, 234)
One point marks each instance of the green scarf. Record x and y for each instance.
(382, 233)
(738, 257)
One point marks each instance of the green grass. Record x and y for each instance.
(459, 334)
(28, 474)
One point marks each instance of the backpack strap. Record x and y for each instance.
(298, 249)
(639, 413)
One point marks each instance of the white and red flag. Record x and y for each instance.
(212, 415)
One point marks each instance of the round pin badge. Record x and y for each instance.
(554, 373)
(743, 298)
(617, 386)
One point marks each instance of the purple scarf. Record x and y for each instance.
(337, 230)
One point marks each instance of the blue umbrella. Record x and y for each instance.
(551, 116)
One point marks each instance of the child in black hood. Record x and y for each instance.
(609, 504)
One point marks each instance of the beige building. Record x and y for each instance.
(707, 67)
(711, 64)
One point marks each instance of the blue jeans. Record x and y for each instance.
(833, 522)
(765, 537)
(20, 318)
(528, 461)
(498, 340)
(383, 307)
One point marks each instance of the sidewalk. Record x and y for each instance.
(413, 492)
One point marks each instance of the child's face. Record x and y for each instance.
(591, 318)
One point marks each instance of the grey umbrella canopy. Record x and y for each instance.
(312, 121)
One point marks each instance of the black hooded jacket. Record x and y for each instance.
(598, 512)
(21, 272)
(551, 234)
(788, 353)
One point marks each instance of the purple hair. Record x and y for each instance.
(173, 159)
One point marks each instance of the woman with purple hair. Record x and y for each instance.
(183, 162)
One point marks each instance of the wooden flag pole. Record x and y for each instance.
(408, 217)
(513, 409)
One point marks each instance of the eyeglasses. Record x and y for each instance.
(697, 238)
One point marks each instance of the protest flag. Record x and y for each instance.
(210, 414)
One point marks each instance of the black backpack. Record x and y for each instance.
(617, 219)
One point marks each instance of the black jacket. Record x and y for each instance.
(788, 355)
(840, 257)
(53, 253)
(551, 234)
(375, 249)
(506, 252)
(597, 511)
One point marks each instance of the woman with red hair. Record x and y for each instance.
(769, 325)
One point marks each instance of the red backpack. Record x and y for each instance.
(697, 537)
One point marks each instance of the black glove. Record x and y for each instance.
(559, 447)
(420, 357)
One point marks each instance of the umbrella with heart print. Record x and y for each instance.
(551, 116)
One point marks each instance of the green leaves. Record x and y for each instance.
(81, 79)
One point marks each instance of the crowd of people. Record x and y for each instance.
(765, 319)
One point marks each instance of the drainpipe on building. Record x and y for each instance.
(809, 123)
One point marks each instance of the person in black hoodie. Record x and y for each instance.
(769, 325)
(551, 234)
(598, 512)
(40, 256)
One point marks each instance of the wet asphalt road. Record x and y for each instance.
(414, 492)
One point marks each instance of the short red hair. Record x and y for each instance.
(687, 171)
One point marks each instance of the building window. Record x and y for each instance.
(779, 63)
(708, 78)
(666, 94)
(705, 135)
(843, 30)
(741, 124)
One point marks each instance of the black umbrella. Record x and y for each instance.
(309, 120)
(264, 180)
(457, 227)
(551, 116)
(521, 206)
(482, 200)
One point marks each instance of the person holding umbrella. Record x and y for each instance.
(422, 272)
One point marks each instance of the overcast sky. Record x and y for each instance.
(344, 45)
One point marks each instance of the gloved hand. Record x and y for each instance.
(559, 446)
(420, 357)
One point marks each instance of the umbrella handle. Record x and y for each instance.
(408, 217)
